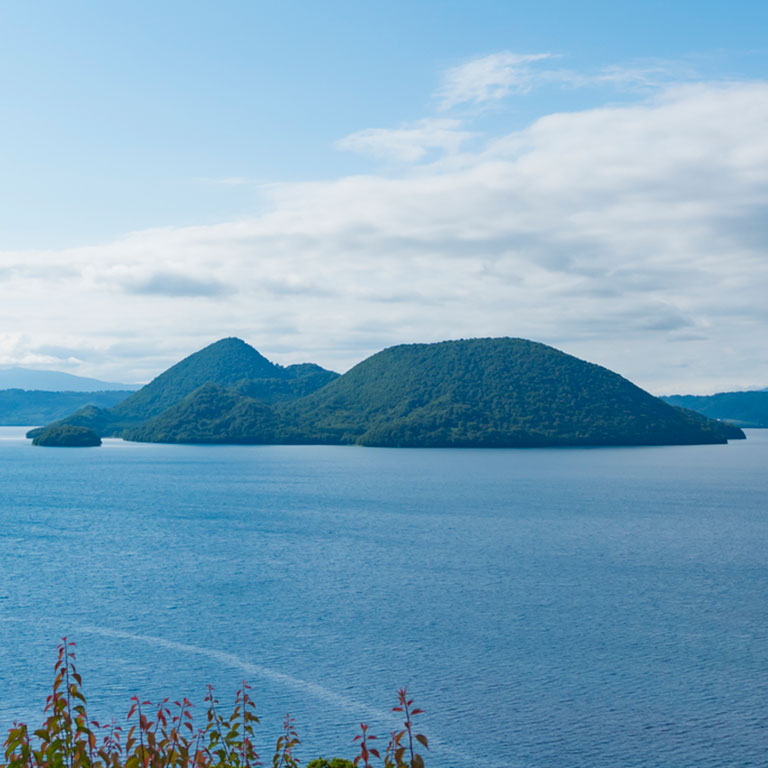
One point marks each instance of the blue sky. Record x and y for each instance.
(119, 116)
(136, 135)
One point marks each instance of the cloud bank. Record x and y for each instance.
(634, 236)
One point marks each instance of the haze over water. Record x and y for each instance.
(577, 607)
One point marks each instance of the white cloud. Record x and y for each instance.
(645, 75)
(489, 78)
(14, 350)
(633, 236)
(494, 77)
(226, 181)
(410, 142)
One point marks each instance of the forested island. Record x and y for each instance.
(492, 392)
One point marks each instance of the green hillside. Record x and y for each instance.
(471, 393)
(489, 392)
(228, 362)
(301, 380)
(723, 428)
(745, 409)
(100, 420)
(214, 414)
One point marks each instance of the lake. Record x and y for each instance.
(546, 607)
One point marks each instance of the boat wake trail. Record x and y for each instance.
(235, 662)
(359, 708)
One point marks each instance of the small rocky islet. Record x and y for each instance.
(67, 436)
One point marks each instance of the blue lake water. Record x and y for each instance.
(548, 608)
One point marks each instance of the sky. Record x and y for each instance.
(327, 179)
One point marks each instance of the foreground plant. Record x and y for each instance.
(285, 745)
(405, 706)
(165, 736)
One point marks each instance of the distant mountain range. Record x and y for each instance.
(468, 393)
(745, 409)
(29, 396)
(20, 407)
(55, 381)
